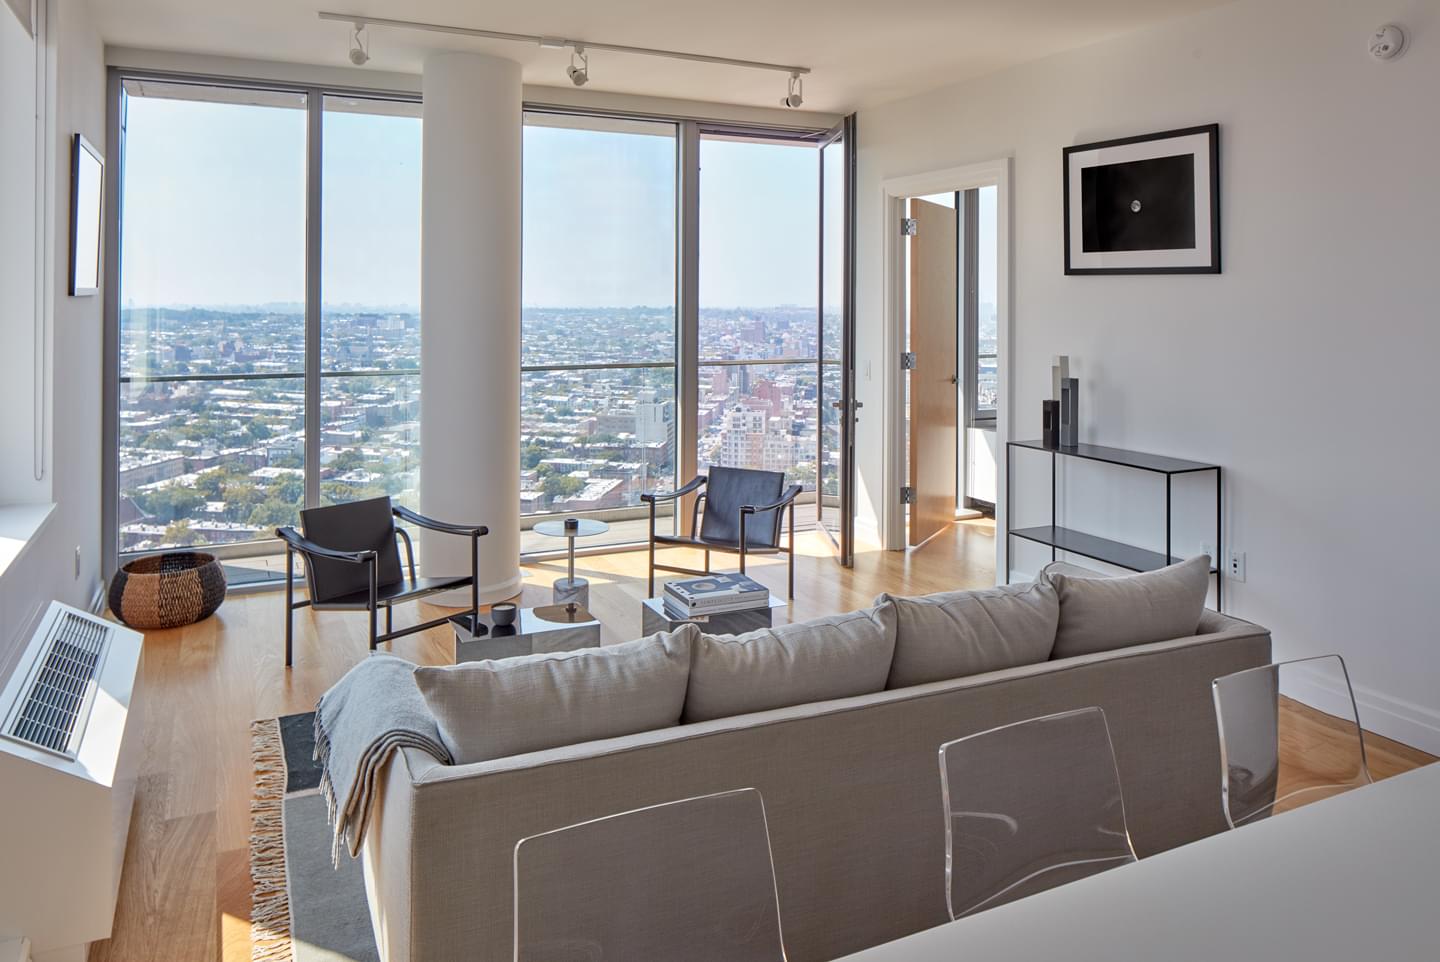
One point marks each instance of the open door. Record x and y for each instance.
(835, 471)
(934, 399)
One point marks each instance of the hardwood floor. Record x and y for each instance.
(185, 892)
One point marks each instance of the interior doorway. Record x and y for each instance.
(951, 251)
(947, 284)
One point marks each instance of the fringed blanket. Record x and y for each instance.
(370, 713)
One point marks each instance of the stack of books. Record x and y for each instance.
(714, 595)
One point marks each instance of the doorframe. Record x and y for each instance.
(894, 192)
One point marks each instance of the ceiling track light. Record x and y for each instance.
(794, 92)
(579, 74)
(359, 45)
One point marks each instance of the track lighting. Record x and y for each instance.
(579, 76)
(578, 72)
(795, 92)
(359, 46)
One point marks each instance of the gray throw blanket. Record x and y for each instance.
(372, 712)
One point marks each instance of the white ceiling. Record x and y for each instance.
(862, 52)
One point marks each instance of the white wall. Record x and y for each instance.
(1307, 369)
(47, 569)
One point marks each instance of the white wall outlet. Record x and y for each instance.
(1235, 566)
(1209, 551)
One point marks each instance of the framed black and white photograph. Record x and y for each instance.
(87, 178)
(1144, 205)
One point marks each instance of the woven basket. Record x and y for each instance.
(167, 590)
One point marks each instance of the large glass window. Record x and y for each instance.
(759, 341)
(598, 404)
(215, 389)
(370, 314)
(212, 315)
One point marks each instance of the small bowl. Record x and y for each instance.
(503, 613)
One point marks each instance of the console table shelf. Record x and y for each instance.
(1116, 553)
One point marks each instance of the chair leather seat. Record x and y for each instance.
(398, 591)
(717, 544)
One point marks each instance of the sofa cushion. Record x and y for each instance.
(834, 657)
(509, 706)
(1099, 613)
(959, 633)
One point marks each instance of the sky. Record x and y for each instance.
(214, 213)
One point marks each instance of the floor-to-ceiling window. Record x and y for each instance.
(263, 364)
(370, 314)
(759, 334)
(598, 403)
(212, 315)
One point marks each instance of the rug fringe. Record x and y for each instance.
(270, 899)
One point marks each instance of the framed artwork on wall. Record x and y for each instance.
(1144, 205)
(87, 177)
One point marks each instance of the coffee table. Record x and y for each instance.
(536, 630)
(655, 617)
(571, 588)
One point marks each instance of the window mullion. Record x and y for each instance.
(314, 160)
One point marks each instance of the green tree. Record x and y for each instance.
(561, 486)
(179, 533)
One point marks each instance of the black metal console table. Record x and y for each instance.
(1103, 549)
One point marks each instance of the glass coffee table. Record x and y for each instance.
(571, 588)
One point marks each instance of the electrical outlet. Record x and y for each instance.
(1235, 566)
(1209, 551)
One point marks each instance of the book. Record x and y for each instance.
(675, 613)
(716, 593)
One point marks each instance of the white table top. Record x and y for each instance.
(1354, 877)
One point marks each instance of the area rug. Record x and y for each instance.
(303, 908)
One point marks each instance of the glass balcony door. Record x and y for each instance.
(838, 407)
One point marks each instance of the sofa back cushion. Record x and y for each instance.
(493, 709)
(833, 657)
(959, 633)
(1099, 613)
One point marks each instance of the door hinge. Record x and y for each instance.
(907, 495)
(909, 227)
(907, 361)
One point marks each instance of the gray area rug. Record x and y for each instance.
(304, 909)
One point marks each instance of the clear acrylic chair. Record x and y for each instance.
(691, 879)
(1030, 806)
(1323, 754)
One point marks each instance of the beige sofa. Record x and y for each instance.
(851, 789)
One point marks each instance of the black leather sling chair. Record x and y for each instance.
(352, 563)
(743, 515)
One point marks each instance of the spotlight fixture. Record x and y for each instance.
(359, 46)
(795, 92)
(579, 75)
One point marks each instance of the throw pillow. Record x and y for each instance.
(494, 709)
(833, 657)
(1099, 613)
(959, 633)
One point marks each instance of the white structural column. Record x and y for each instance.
(470, 316)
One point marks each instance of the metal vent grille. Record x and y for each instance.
(55, 704)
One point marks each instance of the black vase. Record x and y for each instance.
(1050, 423)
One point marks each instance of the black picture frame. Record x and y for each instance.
(1125, 257)
(87, 217)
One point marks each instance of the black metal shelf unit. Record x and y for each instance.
(1114, 553)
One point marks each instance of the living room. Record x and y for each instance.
(789, 408)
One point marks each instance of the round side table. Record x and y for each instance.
(571, 588)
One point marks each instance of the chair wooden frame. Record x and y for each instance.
(785, 505)
(295, 542)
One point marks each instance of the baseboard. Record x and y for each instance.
(1383, 714)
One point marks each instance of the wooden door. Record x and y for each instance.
(934, 396)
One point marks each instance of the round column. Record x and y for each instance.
(470, 317)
